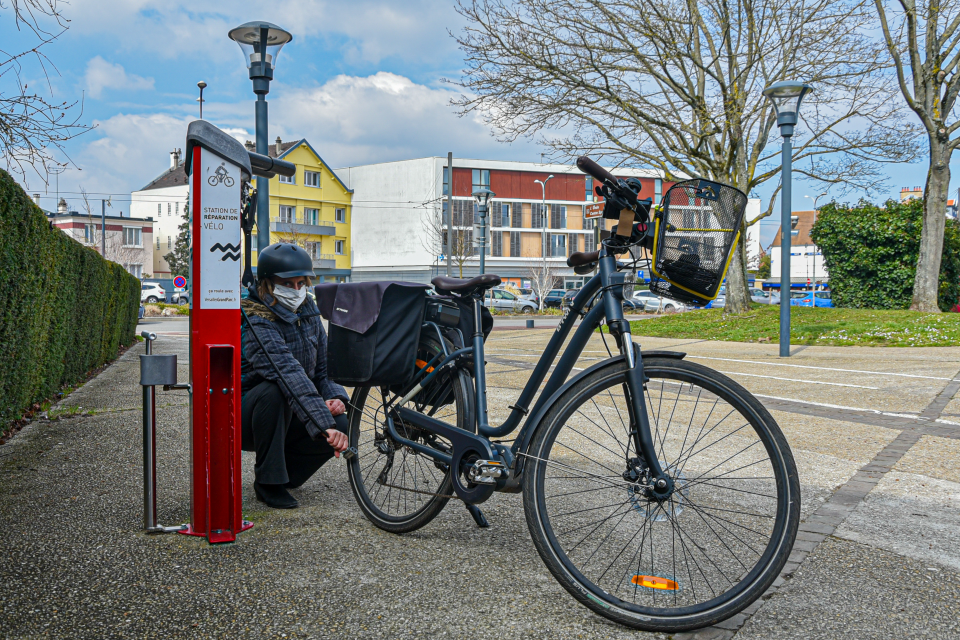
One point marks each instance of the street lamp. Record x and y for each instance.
(786, 97)
(202, 85)
(482, 196)
(261, 43)
(543, 214)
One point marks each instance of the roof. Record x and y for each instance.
(287, 147)
(804, 224)
(169, 178)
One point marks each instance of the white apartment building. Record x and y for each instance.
(163, 200)
(806, 259)
(129, 241)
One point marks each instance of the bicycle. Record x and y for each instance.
(660, 493)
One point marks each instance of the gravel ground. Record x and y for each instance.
(75, 565)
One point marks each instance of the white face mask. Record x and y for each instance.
(290, 298)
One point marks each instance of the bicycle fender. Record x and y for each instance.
(533, 422)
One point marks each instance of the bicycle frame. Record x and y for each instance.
(609, 308)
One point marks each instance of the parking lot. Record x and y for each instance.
(875, 432)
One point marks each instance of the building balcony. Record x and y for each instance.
(325, 261)
(303, 229)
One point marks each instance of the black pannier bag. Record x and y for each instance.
(466, 324)
(374, 330)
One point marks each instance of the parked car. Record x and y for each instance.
(502, 300)
(764, 297)
(811, 299)
(554, 298)
(180, 296)
(628, 306)
(649, 302)
(529, 294)
(568, 297)
(151, 292)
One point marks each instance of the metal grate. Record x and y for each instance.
(696, 232)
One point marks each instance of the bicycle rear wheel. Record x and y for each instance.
(400, 489)
(691, 560)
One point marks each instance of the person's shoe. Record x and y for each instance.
(293, 485)
(275, 495)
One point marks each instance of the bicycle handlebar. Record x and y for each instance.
(590, 167)
(268, 167)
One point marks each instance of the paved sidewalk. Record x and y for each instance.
(876, 434)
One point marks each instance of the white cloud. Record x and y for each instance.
(102, 75)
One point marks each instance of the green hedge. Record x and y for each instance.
(64, 310)
(871, 254)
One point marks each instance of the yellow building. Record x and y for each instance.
(311, 209)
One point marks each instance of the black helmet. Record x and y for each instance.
(285, 261)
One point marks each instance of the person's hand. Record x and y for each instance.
(336, 407)
(337, 440)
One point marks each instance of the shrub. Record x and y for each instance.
(64, 310)
(871, 254)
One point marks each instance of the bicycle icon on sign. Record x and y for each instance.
(220, 176)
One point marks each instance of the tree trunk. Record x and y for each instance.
(926, 283)
(738, 294)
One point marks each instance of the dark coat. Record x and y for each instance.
(298, 345)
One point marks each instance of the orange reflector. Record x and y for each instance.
(421, 364)
(654, 582)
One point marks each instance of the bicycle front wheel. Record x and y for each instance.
(690, 560)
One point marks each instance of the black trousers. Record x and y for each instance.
(285, 452)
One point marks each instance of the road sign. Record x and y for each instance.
(594, 210)
(179, 282)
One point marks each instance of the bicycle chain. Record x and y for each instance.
(426, 493)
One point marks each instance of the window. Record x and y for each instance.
(253, 243)
(657, 190)
(514, 244)
(537, 217)
(338, 246)
(311, 216)
(289, 180)
(169, 242)
(590, 242)
(496, 244)
(517, 219)
(89, 233)
(481, 179)
(159, 210)
(588, 190)
(558, 245)
(288, 214)
(311, 178)
(314, 249)
(132, 237)
(446, 180)
(463, 211)
(176, 208)
(340, 215)
(504, 214)
(136, 270)
(558, 216)
(158, 242)
(573, 244)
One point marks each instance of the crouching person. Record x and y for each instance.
(289, 446)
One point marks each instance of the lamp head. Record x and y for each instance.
(202, 85)
(786, 97)
(261, 43)
(482, 196)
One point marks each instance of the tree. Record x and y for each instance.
(924, 42)
(871, 253)
(763, 266)
(543, 277)
(31, 126)
(434, 239)
(179, 258)
(676, 85)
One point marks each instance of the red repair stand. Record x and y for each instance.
(216, 494)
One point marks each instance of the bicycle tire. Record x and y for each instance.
(702, 507)
(417, 505)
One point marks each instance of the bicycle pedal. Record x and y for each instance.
(478, 516)
(487, 471)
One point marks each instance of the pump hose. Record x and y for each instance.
(351, 451)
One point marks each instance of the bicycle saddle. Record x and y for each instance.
(467, 285)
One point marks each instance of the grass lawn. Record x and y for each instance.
(843, 327)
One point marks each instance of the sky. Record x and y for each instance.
(361, 80)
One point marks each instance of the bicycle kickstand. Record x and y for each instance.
(478, 516)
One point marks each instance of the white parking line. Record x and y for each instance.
(913, 416)
(800, 366)
(832, 384)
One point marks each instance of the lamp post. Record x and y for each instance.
(482, 196)
(202, 85)
(786, 97)
(261, 43)
(543, 213)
